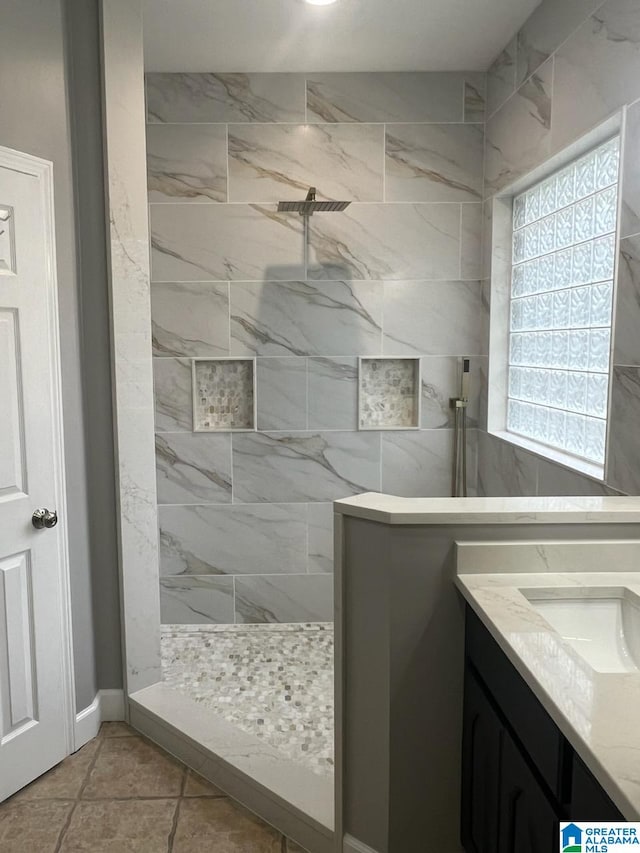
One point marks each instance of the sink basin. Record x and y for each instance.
(602, 625)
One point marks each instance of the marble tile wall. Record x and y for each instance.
(573, 64)
(246, 518)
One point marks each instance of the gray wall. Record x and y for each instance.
(245, 519)
(34, 105)
(572, 65)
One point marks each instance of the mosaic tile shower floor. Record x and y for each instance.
(273, 681)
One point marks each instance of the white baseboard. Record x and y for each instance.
(352, 845)
(88, 723)
(108, 705)
(111, 705)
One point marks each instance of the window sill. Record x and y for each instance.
(573, 463)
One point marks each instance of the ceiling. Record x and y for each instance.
(350, 35)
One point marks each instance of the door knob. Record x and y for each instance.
(44, 518)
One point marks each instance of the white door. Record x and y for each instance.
(35, 692)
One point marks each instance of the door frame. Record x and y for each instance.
(43, 171)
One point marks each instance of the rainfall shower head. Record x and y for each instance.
(310, 206)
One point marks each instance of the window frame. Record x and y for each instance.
(498, 246)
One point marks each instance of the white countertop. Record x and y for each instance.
(389, 509)
(599, 713)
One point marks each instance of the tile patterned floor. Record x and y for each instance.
(272, 681)
(122, 794)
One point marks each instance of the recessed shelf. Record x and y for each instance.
(224, 395)
(389, 393)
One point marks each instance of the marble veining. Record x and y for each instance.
(224, 97)
(630, 189)
(626, 346)
(597, 70)
(505, 470)
(274, 682)
(501, 78)
(380, 97)
(475, 97)
(193, 469)
(304, 318)
(190, 319)
(276, 598)
(624, 437)
(173, 394)
(450, 310)
(282, 393)
(434, 162)
(549, 25)
(418, 464)
(198, 600)
(233, 540)
(304, 466)
(251, 241)
(519, 135)
(269, 163)
(386, 241)
(596, 711)
(187, 163)
(332, 384)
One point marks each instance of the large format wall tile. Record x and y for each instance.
(225, 97)
(501, 78)
(320, 466)
(519, 135)
(553, 480)
(505, 471)
(198, 242)
(190, 319)
(434, 318)
(597, 70)
(299, 598)
(434, 162)
(471, 242)
(282, 393)
(475, 96)
(386, 241)
(196, 600)
(187, 163)
(271, 162)
(543, 33)
(305, 318)
(333, 393)
(364, 97)
(232, 540)
(193, 468)
(441, 383)
(320, 517)
(417, 464)
(623, 471)
(627, 319)
(172, 389)
(630, 208)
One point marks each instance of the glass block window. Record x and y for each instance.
(564, 245)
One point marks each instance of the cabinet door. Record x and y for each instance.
(480, 770)
(528, 822)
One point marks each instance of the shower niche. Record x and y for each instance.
(389, 393)
(224, 394)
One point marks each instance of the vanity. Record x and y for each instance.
(443, 599)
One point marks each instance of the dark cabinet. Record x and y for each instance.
(520, 776)
(480, 771)
(528, 822)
